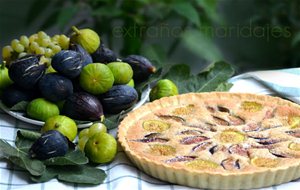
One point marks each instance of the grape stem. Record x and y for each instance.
(3, 65)
(76, 30)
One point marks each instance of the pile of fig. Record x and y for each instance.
(83, 80)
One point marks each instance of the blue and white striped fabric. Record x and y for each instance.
(284, 83)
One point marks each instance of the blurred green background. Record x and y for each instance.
(250, 34)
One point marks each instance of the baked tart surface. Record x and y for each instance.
(215, 140)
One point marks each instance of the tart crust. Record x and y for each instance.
(270, 141)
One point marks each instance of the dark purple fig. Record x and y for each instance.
(181, 159)
(172, 117)
(204, 127)
(236, 120)
(141, 66)
(217, 148)
(118, 98)
(294, 133)
(269, 141)
(280, 154)
(26, 71)
(252, 127)
(211, 109)
(83, 106)
(152, 135)
(238, 149)
(193, 139)
(230, 164)
(220, 121)
(152, 139)
(213, 149)
(269, 114)
(86, 57)
(191, 132)
(67, 63)
(223, 109)
(55, 87)
(51, 144)
(104, 55)
(14, 94)
(201, 146)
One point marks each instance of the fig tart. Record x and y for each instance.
(216, 140)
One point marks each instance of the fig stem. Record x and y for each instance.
(76, 30)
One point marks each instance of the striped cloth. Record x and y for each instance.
(121, 173)
(284, 83)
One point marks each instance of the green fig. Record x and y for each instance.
(4, 77)
(163, 88)
(87, 38)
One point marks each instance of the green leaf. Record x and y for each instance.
(296, 39)
(155, 52)
(33, 166)
(66, 14)
(187, 10)
(75, 157)
(107, 11)
(209, 80)
(201, 45)
(28, 134)
(111, 121)
(223, 87)
(25, 139)
(83, 174)
(21, 159)
(50, 20)
(178, 73)
(36, 9)
(210, 8)
(7, 150)
(21, 106)
(74, 174)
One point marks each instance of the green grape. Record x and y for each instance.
(55, 38)
(84, 132)
(24, 41)
(34, 46)
(97, 128)
(81, 142)
(42, 34)
(33, 38)
(40, 50)
(64, 41)
(22, 54)
(56, 49)
(7, 52)
(48, 52)
(45, 60)
(15, 44)
(45, 42)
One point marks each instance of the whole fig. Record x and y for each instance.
(26, 71)
(15, 94)
(86, 57)
(104, 55)
(51, 144)
(163, 88)
(55, 87)
(87, 38)
(141, 66)
(118, 98)
(67, 63)
(83, 106)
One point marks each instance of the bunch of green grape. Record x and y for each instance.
(40, 43)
